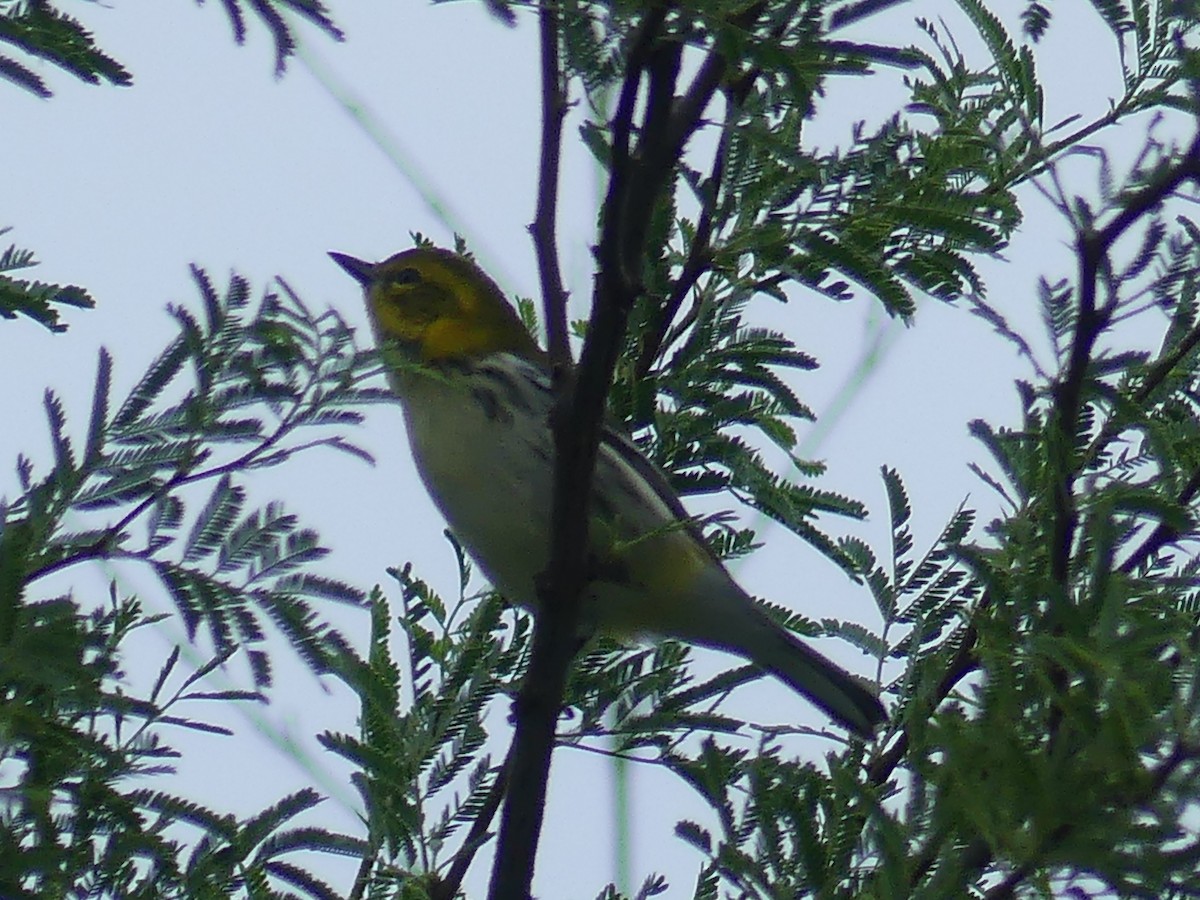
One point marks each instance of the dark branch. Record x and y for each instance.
(1093, 248)
(545, 221)
(698, 260)
(635, 65)
(962, 664)
(1154, 378)
(447, 888)
(1163, 533)
(636, 182)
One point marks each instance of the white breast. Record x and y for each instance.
(491, 472)
(490, 478)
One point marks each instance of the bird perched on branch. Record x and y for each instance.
(477, 396)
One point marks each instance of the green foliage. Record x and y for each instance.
(40, 30)
(1072, 757)
(899, 207)
(265, 383)
(786, 829)
(35, 299)
(653, 886)
(1030, 653)
(242, 387)
(902, 208)
(422, 770)
(272, 14)
(721, 377)
(1043, 737)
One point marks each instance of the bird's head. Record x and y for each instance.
(437, 306)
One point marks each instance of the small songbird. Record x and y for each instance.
(476, 393)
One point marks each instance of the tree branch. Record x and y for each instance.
(698, 260)
(962, 664)
(1093, 248)
(545, 221)
(636, 183)
(1163, 533)
(447, 888)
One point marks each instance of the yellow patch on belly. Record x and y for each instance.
(651, 586)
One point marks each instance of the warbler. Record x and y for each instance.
(476, 393)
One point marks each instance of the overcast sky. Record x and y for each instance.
(209, 159)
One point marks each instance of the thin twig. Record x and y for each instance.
(1093, 248)
(545, 221)
(446, 888)
(699, 256)
(184, 475)
(1163, 533)
(961, 665)
(555, 627)
(1152, 380)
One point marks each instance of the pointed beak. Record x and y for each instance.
(359, 270)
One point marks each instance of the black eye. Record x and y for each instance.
(405, 276)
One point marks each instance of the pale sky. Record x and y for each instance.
(210, 159)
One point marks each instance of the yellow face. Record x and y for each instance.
(438, 306)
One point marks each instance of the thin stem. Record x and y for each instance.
(362, 878)
(699, 256)
(962, 664)
(448, 887)
(545, 221)
(1092, 249)
(183, 476)
(1163, 533)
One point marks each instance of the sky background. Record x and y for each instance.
(210, 159)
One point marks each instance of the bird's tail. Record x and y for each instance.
(835, 691)
(728, 619)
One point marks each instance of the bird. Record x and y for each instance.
(477, 394)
